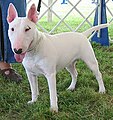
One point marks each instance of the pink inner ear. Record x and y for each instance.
(10, 19)
(12, 13)
(32, 14)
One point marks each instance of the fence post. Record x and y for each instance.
(101, 18)
(49, 11)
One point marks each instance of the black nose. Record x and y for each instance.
(19, 51)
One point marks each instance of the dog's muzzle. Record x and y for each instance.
(19, 55)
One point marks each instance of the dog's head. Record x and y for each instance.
(21, 30)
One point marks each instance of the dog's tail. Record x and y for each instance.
(95, 28)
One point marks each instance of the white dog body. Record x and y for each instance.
(45, 54)
(52, 47)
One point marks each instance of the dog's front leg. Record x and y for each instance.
(51, 78)
(34, 86)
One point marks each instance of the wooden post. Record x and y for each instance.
(49, 11)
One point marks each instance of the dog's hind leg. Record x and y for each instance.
(34, 86)
(72, 70)
(90, 59)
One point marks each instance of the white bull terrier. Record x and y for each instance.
(46, 54)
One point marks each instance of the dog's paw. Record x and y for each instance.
(34, 99)
(54, 109)
(31, 102)
(102, 90)
(71, 88)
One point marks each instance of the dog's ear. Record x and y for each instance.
(32, 14)
(12, 13)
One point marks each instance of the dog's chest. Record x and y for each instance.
(31, 65)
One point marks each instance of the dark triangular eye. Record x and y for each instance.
(27, 28)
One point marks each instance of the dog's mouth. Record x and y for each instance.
(19, 57)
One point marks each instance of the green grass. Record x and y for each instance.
(85, 103)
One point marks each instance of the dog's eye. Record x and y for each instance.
(12, 29)
(27, 29)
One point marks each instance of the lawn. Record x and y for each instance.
(85, 103)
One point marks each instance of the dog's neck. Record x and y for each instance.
(35, 42)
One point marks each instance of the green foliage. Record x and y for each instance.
(85, 103)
